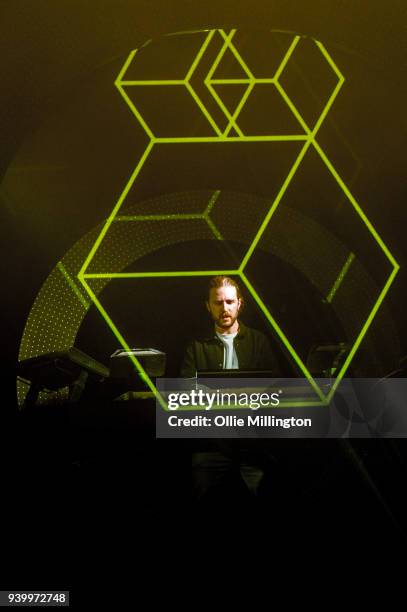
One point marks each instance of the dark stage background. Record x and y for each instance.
(67, 150)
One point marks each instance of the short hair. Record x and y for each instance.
(225, 281)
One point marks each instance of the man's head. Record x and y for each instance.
(224, 303)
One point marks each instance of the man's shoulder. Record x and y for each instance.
(201, 339)
(251, 332)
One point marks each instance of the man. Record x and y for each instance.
(231, 345)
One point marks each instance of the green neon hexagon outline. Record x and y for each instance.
(309, 139)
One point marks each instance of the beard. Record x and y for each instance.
(225, 323)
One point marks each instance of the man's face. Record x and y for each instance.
(224, 306)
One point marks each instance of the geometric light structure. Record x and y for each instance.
(225, 133)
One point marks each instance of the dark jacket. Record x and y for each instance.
(252, 348)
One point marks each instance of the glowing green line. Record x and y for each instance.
(210, 73)
(154, 82)
(327, 107)
(274, 205)
(207, 212)
(283, 338)
(340, 278)
(329, 60)
(212, 90)
(200, 54)
(123, 343)
(279, 87)
(240, 81)
(286, 58)
(332, 96)
(162, 274)
(299, 404)
(235, 52)
(355, 204)
(182, 32)
(115, 210)
(219, 56)
(172, 217)
(192, 91)
(230, 81)
(221, 138)
(363, 332)
(270, 80)
(224, 109)
(239, 108)
(214, 229)
(135, 112)
(211, 202)
(126, 97)
(125, 66)
(292, 108)
(73, 285)
(232, 118)
(204, 111)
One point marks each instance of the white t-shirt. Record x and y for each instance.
(230, 361)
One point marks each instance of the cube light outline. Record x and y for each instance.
(222, 137)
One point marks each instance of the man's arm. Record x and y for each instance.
(188, 367)
(267, 358)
